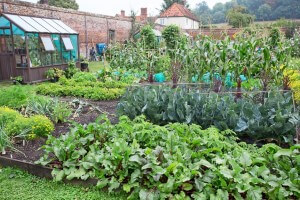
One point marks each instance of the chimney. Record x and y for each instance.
(144, 13)
(122, 13)
(44, 2)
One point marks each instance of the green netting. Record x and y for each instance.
(57, 53)
(74, 52)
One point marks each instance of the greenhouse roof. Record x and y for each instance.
(39, 25)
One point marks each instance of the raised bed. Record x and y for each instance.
(40, 171)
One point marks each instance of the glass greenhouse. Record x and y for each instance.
(29, 46)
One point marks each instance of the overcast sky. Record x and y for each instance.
(113, 7)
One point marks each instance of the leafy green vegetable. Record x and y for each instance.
(258, 118)
(176, 161)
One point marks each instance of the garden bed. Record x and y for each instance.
(30, 150)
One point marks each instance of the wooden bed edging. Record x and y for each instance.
(41, 171)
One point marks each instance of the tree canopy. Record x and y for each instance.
(263, 10)
(71, 4)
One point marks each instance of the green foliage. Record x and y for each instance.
(5, 140)
(52, 108)
(171, 35)
(238, 18)
(262, 9)
(272, 117)
(7, 115)
(86, 89)
(84, 76)
(15, 124)
(70, 4)
(176, 161)
(15, 97)
(32, 187)
(71, 70)
(148, 37)
(40, 126)
(54, 73)
(275, 37)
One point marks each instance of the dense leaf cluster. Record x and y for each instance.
(175, 161)
(255, 116)
(87, 89)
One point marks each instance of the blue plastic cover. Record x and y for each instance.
(101, 47)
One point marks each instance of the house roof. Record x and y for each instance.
(39, 25)
(178, 10)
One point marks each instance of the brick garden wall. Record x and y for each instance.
(92, 28)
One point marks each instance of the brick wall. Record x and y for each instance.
(92, 28)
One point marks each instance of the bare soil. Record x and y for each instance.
(29, 151)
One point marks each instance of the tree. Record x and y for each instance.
(264, 12)
(218, 13)
(238, 17)
(168, 3)
(71, 4)
(219, 17)
(148, 37)
(203, 12)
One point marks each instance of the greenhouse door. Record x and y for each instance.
(6, 56)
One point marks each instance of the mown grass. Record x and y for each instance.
(96, 66)
(18, 185)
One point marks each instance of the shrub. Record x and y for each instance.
(15, 124)
(71, 70)
(40, 126)
(176, 161)
(7, 115)
(18, 125)
(253, 116)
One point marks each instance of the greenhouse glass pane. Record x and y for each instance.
(4, 22)
(57, 59)
(35, 24)
(48, 44)
(56, 26)
(17, 31)
(34, 48)
(21, 23)
(46, 25)
(67, 43)
(60, 23)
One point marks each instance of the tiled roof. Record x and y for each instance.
(178, 10)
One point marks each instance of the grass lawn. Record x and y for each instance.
(19, 185)
(96, 66)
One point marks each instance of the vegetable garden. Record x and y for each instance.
(170, 119)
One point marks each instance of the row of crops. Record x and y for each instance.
(247, 57)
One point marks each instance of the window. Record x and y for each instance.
(187, 21)
(48, 44)
(112, 35)
(67, 43)
(162, 21)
